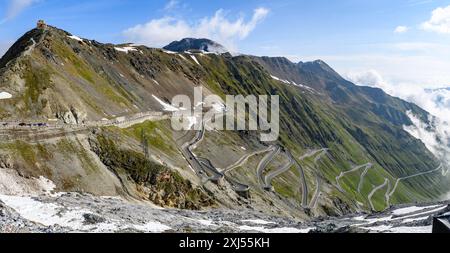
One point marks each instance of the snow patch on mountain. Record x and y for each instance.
(282, 230)
(259, 222)
(292, 83)
(280, 80)
(169, 52)
(403, 230)
(195, 59)
(411, 209)
(125, 49)
(152, 227)
(75, 38)
(167, 107)
(76, 212)
(73, 218)
(47, 214)
(207, 223)
(5, 95)
(175, 53)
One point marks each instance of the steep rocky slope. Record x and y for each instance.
(75, 212)
(79, 116)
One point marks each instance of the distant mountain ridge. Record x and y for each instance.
(437, 89)
(187, 44)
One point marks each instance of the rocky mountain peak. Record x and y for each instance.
(319, 67)
(188, 44)
(21, 45)
(30, 40)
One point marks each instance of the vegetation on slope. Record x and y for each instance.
(167, 187)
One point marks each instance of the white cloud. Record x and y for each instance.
(439, 21)
(401, 29)
(422, 69)
(435, 136)
(159, 32)
(366, 78)
(436, 101)
(15, 7)
(171, 4)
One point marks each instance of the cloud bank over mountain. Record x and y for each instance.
(220, 28)
(436, 135)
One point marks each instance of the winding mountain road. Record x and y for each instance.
(387, 197)
(366, 166)
(200, 165)
(269, 177)
(186, 150)
(245, 158)
(264, 162)
(304, 184)
(311, 153)
(121, 122)
(369, 197)
(361, 178)
(411, 176)
(215, 175)
(237, 186)
(190, 157)
(317, 192)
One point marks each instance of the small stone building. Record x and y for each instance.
(41, 24)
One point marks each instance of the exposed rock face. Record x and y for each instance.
(100, 214)
(91, 219)
(73, 116)
(79, 116)
(187, 44)
(6, 161)
(68, 118)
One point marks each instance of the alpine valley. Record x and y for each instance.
(87, 145)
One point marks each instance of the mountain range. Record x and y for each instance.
(95, 118)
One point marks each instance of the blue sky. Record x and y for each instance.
(383, 41)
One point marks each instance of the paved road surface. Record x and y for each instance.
(264, 162)
(237, 186)
(411, 176)
(209, 168)
(245, 158)
(375, 189)
(367, 165)
(275, 173)
(304, 184)
(317, 192)
(361, 178)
